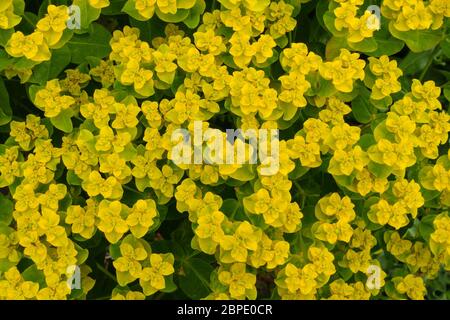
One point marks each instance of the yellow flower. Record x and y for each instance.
(210, 42)
(32, 46)
(250, 92)
(115, 165)
(240, 283)
(9, 166)
(398, 246)
(140, 217)
(294, 86)
(164, 66)
(342, 291)
(14, 287)
(343, 70)
(130, 295)
(167, 6)
(408, 193)
(301, 280)
(99, 4)
(209, 231)
(414, 17)
(140, 78)
(146, 8)
(235, 248)
(49, 224)
(383, 213)
(112, 221)
(153, 277)
(83, 219)
(129, 263)
(333, 206)
(50, 199)
(263, 48)
(53, 24)
(50, 100)
(345, 163)
(308, 153)
(109, 188)
(387, 74)
(271, 208)
(442, 229)
(126, 116)
(427, 92)
(280, 14)
(75, 80)
(103, 73)
(280, 251)
(241, 49)
(411, 285)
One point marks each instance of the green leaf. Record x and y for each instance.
(195, 282)
(366, 141)
(28, 23)
(445, 46)
(94, 44)
(414, 62)
(63, 121)
(5, 35)
(282, 41)
(298, 172)
(244, 173)
(88, 14)
(334, 46)
(379, 170)
(367, 45)
(6, 210)
(51, 69)
(33, 274)
(180, 16)
(73, 179)
(386, 43)
(115, 7)
(5, 265)
(114, 250)
(447, 91)
(82, 254)
(321, 8)
(5, 108)
(328, 19)
(417, 40)
(170, 285)
(147, 28)
(362, 109)
(232, 209)
(130, 9)
(5, 60)
(426, 226)
(193, 19)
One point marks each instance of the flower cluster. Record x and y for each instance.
(348, 200)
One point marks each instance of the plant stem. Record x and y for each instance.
(433, 54)
(106, 272)
(132, 189)
(29, 20)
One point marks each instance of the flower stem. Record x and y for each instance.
(433, 54)
(106, 272)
